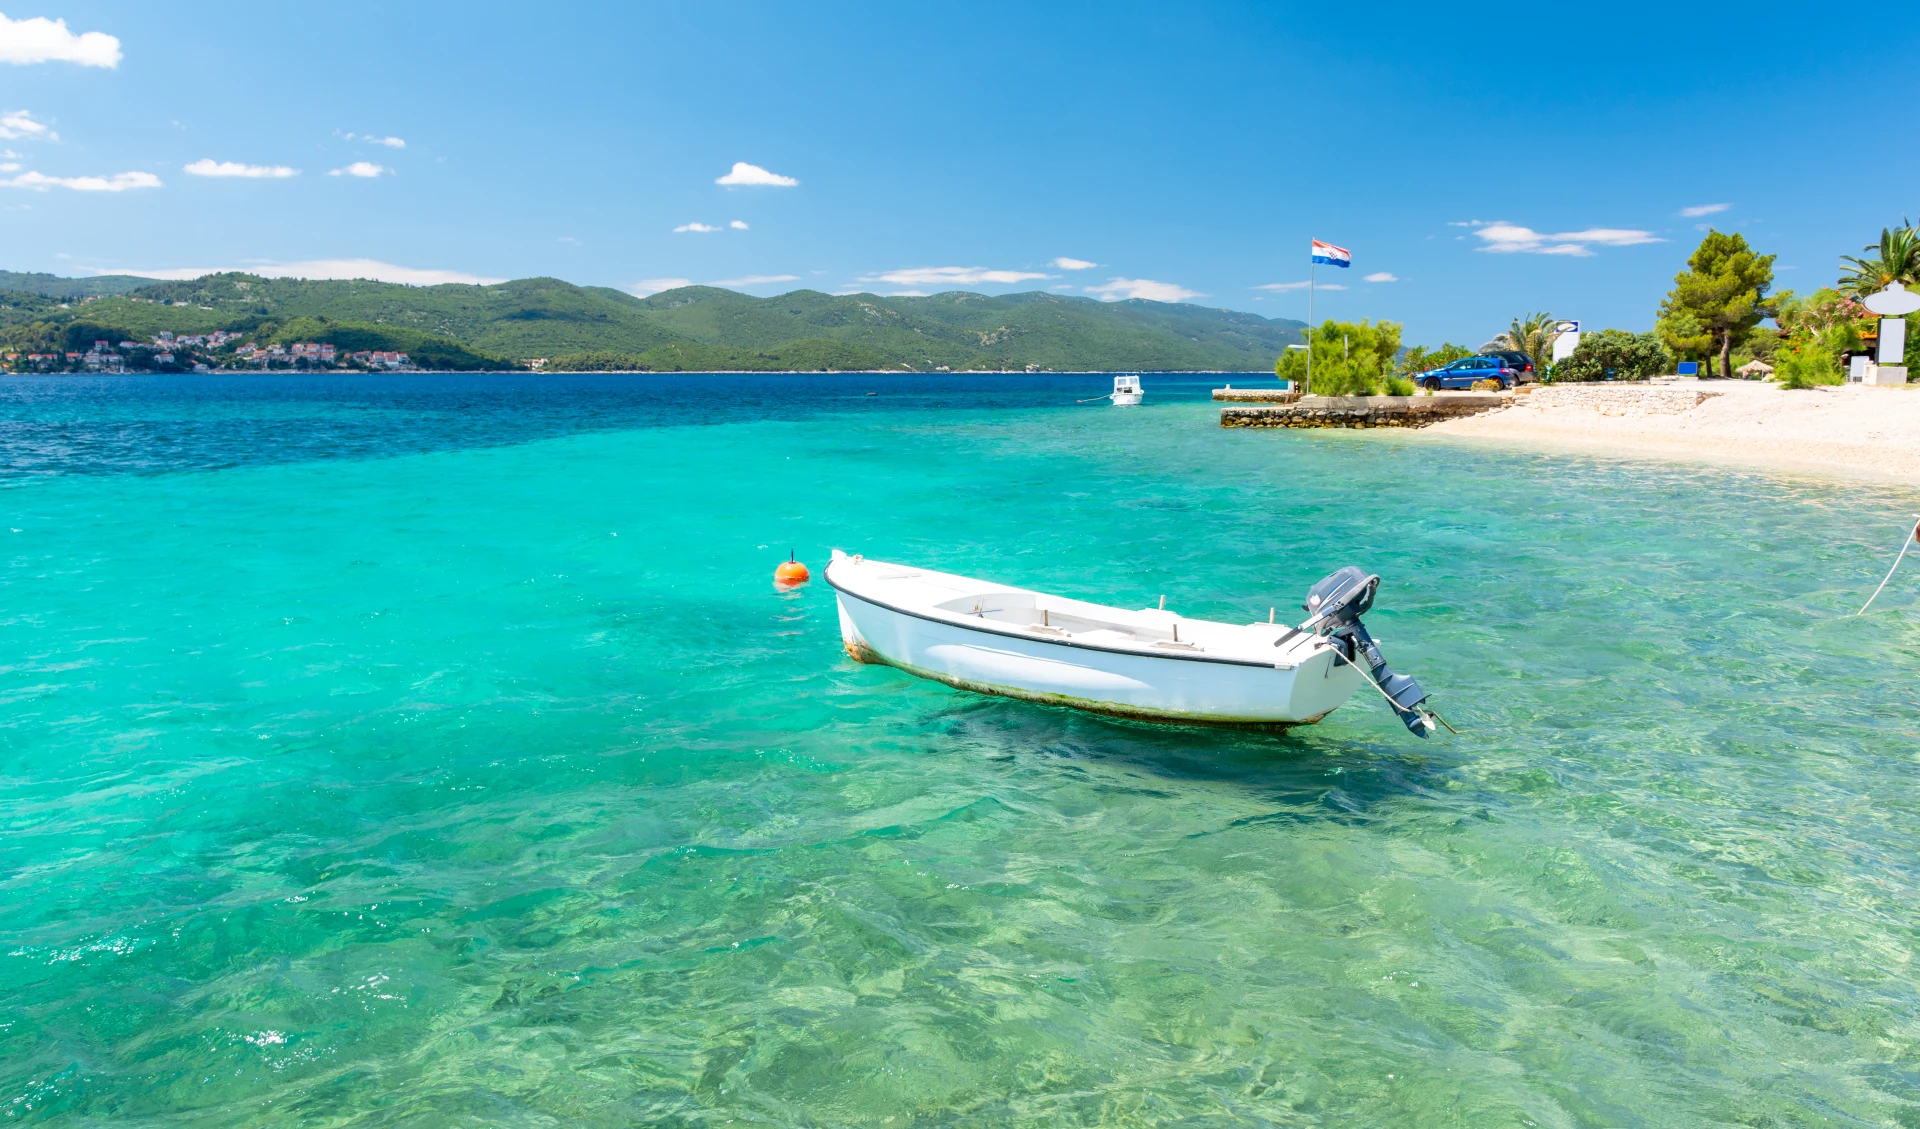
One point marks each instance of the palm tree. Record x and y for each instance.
(1532, 335)
(1898, 261)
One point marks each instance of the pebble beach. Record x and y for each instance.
(1851, 431)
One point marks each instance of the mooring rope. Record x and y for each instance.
(1368, 675)
(1906, 542)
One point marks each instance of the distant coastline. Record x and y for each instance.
(242, 321)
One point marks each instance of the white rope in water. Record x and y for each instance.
(1906, 542)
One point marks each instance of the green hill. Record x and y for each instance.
(693, 328)
(53, 286)
(964, 330)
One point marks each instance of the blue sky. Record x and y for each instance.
(1480, 162)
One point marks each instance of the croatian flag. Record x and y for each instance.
(1332, 256)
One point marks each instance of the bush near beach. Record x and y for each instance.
(1349, 358)
(1614, 354)
(1808, 364)
(1816, 331)
(1420, 359)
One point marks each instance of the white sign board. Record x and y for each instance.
(1893, 341)
(1564, 345)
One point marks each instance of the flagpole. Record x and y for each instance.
(1308, 390)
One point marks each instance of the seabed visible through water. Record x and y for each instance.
(432, 750)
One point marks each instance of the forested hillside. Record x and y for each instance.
(692, 328)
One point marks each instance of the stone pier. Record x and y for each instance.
(1256, 395)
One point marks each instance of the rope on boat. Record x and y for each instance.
(1906, 542)
(1368, 675)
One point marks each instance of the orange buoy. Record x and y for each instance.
(791, 573)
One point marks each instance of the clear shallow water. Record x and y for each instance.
(371, 779)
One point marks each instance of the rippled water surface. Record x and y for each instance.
(435, 751)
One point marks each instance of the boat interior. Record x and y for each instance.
(1070, 618)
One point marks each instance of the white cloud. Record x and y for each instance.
(737, 225)
(1065, 263)
(9, 166)
(756, 280)
(389, 142)
(746, 174)
(1508, 238)
(1704, 210)
(571, 240)
(1281, 286)
(1114, 290)
(905, 294)
(208, 167)
(41, 40)
(18, 125)
(1610, 236)
(1382, 276)
(951, 276)
(118, 182)
(648, 286)
(330, 269)
(698, 227)
(360, 168)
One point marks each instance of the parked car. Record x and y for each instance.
(1521, 363)
(1463, 374)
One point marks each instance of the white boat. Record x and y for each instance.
(1127, 391)
(1152, 664)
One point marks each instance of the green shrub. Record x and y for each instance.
(1421, 359)
(1808, 364)
(1614, 354)
(1349, 358)
(1399, 386)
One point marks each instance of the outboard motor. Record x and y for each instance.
(1334, 608)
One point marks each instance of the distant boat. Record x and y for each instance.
(1152, 664)
(1127, 391)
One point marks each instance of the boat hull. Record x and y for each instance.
(1175, 689)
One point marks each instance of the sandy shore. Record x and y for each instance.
(1851, 431)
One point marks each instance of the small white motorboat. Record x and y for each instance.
(1127, 391)
(1152, 664)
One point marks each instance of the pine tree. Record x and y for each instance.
(1724, 292)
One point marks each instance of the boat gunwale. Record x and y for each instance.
(964, 625)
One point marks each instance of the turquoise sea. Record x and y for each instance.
(435, 751)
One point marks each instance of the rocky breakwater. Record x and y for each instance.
(1365, 411)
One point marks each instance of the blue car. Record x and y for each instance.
(1462, 374)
